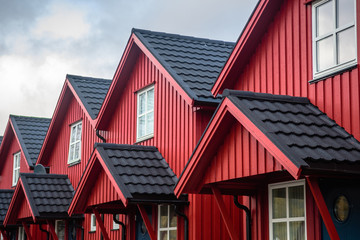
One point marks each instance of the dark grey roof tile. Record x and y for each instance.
(5, 199)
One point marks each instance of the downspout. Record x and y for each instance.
(186, 222)
(248, 216)
(82, 231)
(99, 136)
(123, 227)
(45, 231)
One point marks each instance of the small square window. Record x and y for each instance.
(16, 168)
(60, 229)
(167, 225)
(92, 223)
(334, 36)
(116, 225)
(75, 143)
(145, 114)
(287, 210)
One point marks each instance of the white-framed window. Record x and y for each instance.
(167, 222)
(145, 113)
(16, 168)
(116, 225)
(92, 222)
(60, 229)
(1, 236)
(75, 143)
(21, 233)
(287, 215)
(334, 36)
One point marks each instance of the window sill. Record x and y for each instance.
(115, 229)
(94, 231)
(334, 73)
(74, 163)
(142, 139)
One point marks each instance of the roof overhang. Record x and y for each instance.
(129, 57)
(246, 43)
(225, 116)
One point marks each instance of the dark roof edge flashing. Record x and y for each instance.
(265, 96)
(125, 146)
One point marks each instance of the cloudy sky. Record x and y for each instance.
(42, 41)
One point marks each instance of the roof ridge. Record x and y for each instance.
(86, 78)
(265, 96)
(32, 117)
(32, 174)
(133, 30)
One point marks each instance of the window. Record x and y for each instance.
(145, 114)
(116, 225)
(167, 223)
(92, 223)
(75, 143)
(16, 168)
(334, 36)
(1, 237)
(21, 233)
(287, 211)
(60, 229)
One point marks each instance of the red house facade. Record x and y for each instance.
(264, 146)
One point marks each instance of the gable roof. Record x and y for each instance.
(47, 196)
(138, 173)
(5, 198)
(194, 63)
(301, 137)
(88, 92)
(190, 64)
(91, 91)
(30, 132)
(248, 40)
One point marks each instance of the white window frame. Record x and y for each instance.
(116, 226)
(71, 160)
(336, 67)
(92, 223)
(287, 219)
(168, 228)
(56, 227)
(21, 233)
(16, 168)
(150, 135)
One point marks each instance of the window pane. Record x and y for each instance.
(73, 132)
(60, 230)
(346, 45)
(296, 201)
(78, 132)
(150, 123)
(150, 100)
(324, 18)
(279, 231)
(279, 203)
(142, 103)
(164, 216)
(77, 150)
(325, 53)
(163, 235)
(297, 230)
(345, 12)
(173, 218)
(142, 126)
(173, 235)
(71, 154)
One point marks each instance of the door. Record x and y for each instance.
(141, 231)
(343, 201)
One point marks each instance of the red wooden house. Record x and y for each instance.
(160, 96)
(66, 149)
(19, 150)
(293, 160)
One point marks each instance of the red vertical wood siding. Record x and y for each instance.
(7, 159)
(240, 155)
(58, 156)
(282, 64)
